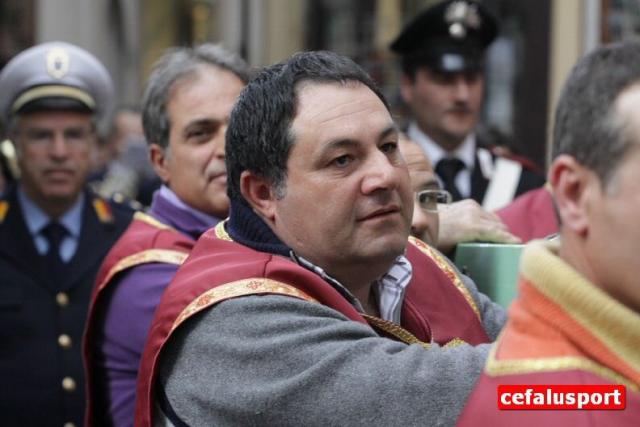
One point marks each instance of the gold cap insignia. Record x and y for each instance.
(57, 62)
(460, 15)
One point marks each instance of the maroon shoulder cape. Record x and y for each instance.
(146, 240)
(561, 330)
(531, 215)
(219, 269)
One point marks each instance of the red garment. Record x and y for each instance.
(531, 216)
(561, 330)
(219, 269)
(146, 240)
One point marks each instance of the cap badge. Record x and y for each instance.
(460, 15)
(57, 62)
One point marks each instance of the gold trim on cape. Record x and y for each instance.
(401, 334)
(259, 286)
(239, 288)
(394, 330)
(166, 256)
(148, 219)
(497, 368)
(221, 232)
(615, 325)
(448, 270)
(390, 328)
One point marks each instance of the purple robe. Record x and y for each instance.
(124, 318)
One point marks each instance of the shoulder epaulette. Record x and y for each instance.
(103, 210)
(4, 208)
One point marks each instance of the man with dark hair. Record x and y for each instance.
(442, 56)
(577, 317)
(186, 109)
(309, 306)
(53, 231)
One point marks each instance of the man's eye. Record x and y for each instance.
(342, 161)
(200, 135)
(472, 77)
(444, 78)
(427, 199)
(39, 135)
(74, 134)
(389, 147)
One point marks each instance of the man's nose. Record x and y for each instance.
(380, 174)
(59, 147)
(461, 89)
(219, 142)
(419, 222)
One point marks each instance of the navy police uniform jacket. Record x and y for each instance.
(529, 177)
(41, 323)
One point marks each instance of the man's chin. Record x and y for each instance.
(219, 209)
(62, 189)
(388, 247)
(62, 198)
(460, 131)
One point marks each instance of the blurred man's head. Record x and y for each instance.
(54, 96)
(596, 169)
(186, 109)
(127, 123)
(442, 56)
(425, 186)
(313, 150)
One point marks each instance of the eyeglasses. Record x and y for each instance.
(430, 199)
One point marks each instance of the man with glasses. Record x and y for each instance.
(311, 305)
(53, 233)
(436, 220)
(425, 223)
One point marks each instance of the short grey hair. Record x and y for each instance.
(587, 126)
(175, 65)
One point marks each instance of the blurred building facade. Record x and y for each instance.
(538, 43)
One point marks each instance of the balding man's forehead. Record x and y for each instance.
(413, 155)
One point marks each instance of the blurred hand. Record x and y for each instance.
(466, 221)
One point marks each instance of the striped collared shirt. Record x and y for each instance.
(389, 290)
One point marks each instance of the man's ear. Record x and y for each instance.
(260, 195)
(406, 88)
(158, 157)
(572, 186)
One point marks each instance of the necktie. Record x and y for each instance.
(55, 233)
(447, 169)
